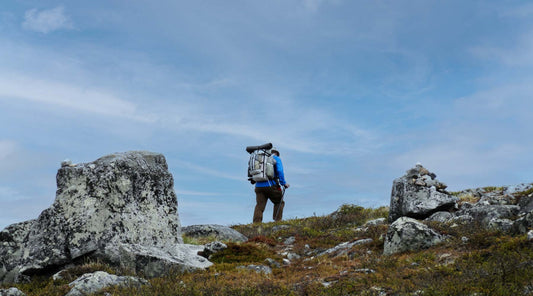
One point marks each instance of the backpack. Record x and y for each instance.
(261, 166)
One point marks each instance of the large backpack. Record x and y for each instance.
(261, 165)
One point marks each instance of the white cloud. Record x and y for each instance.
(67, 96)
(514, 54)
(9, 194)
(7, 148)
(312, 5)
(46, 21)
(195, 193)
(208, 171)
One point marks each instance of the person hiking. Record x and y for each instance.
(271, 189)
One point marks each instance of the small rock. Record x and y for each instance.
(290, 240)
(90, 283)
(212, 248)
(272, 263)
(11, 292)
(364, 270)
(280, 227)
(376, 222)
(530, 235)
(293, 256)
(257, 268)
(219, 232)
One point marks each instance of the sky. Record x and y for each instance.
(352, 93)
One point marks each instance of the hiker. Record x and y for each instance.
(271, 189)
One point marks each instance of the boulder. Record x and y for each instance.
(523, 224)
(418, 195)
(218, 232)
(91, 283)
(11, 292)
(483, 213)
(442, 217)
(122, 203)
(407, 234)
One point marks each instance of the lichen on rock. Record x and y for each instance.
(117, 200)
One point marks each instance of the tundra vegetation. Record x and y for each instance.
(472, 261)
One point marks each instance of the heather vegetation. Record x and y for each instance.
(472, 261)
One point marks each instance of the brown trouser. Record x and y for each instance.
(262, 195)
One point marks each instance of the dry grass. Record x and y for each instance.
(486, 263)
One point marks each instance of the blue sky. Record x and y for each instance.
(353, 93)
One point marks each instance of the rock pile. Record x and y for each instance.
(419, 195)
(119, 209)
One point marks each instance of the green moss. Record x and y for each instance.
(242, 253)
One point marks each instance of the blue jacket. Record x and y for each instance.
(278, 174)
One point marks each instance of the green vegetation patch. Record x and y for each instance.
(243, 253)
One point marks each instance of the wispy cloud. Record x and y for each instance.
(7, 148)
(519, 53)
(48, 20)
(67, 96)
(207, 171)
(195, 193)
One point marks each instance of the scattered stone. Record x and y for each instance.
(90, 283)
(407, 234)
(376, 222)
(212, 248)
(257, 268)
(11, 292)
(289, 241)
(280, 227)
(343, 248)
(272, 263)
(412, 197)
(530, 235)
(364, 270)
(293, 256)
(218, 232)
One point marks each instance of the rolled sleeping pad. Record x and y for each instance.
(251, 149)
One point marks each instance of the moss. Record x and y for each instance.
(488, 263)
(242, 253)
(492, 189)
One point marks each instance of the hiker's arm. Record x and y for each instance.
(281, 174)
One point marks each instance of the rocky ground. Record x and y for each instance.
(428, 242)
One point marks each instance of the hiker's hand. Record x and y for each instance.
(287, 185)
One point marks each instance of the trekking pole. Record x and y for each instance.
(281, 201)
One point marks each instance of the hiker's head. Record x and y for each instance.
(274, 150)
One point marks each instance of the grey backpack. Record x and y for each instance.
(261, 164)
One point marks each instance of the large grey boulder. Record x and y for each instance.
(407, 234)
(418, 194)
(91, 283)
(121, 201)
(483, 213)
(214, 231)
